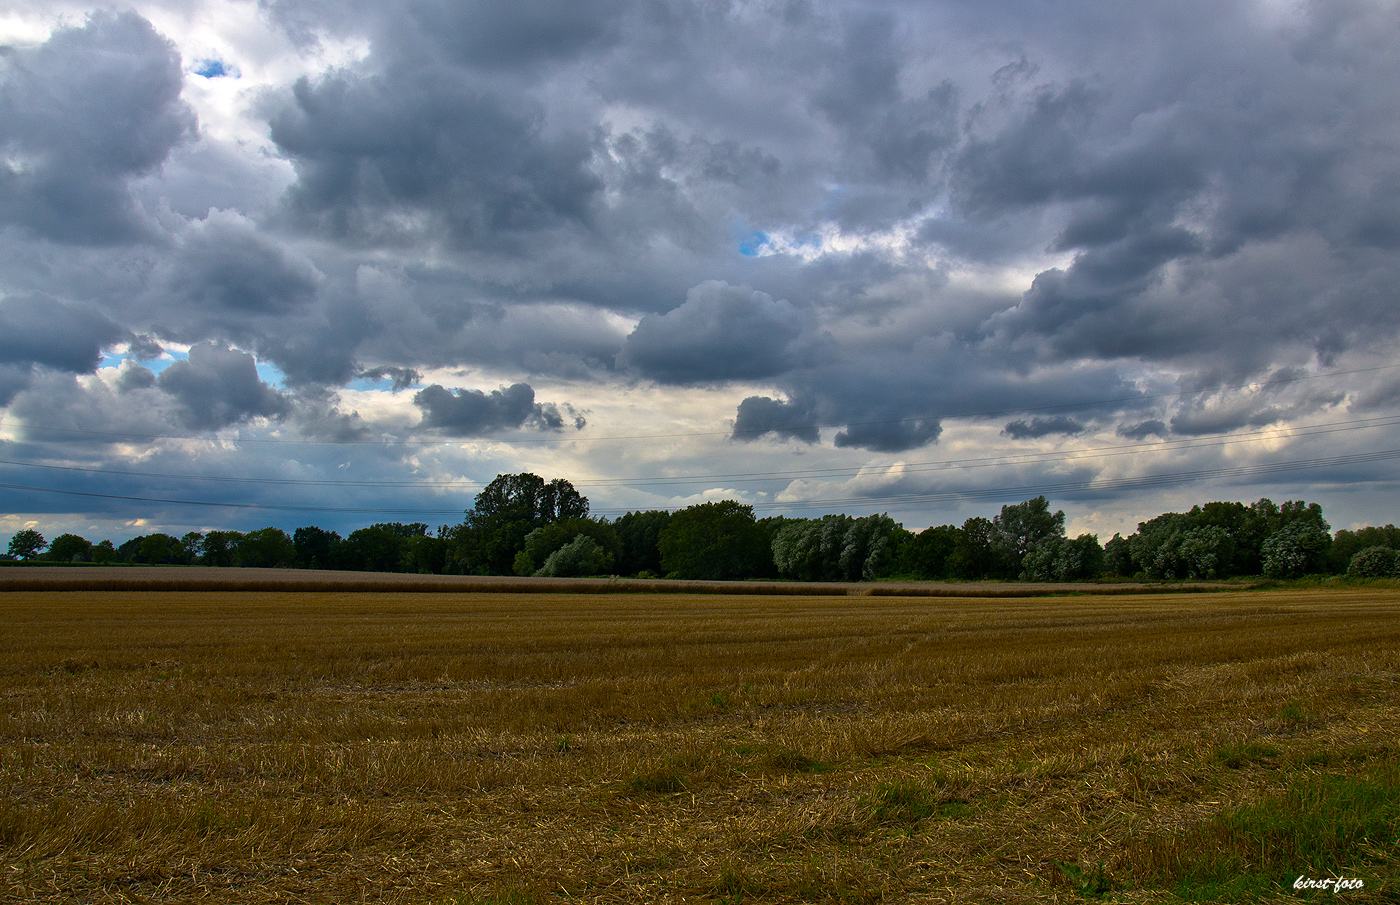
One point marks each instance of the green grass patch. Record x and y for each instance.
(1091, 883)
(661, 781)
(793, 761)
(909, 803)
(1238, 755)
(1320, 826)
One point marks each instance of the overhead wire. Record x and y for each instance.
(1002, 460)
(1067, 487)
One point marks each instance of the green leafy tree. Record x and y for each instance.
(1021, 526)
(1206, 551)
(504, 513)
(317, 548)
(1039, 564)
(1298, 548)
(1061, 559)
(1214, 540)
(159, 550)
(104, 553)
(1153, 548)
(424, 555)
(27, 543)
(1118, 559)
(836, 548)
(1081, 559)
(715, 541)
(191, 547)
(70, 548)
(130, 549)
(925, 555)
(1346, 544)
(383, 547)
(542, 542)
(638, 533)
(978, 552)
(220, 548)
(265, 548)
(810, 549)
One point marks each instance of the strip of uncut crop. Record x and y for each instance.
(401, 747)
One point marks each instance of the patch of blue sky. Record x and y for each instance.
(215, 69)
(754, 244)
(156, 365)
(271, 375)
(368, 385)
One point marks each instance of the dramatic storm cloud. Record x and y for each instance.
(81, 115)
(472, 413)
(907, 256)
(722, 332)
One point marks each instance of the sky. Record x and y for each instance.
(319, 262)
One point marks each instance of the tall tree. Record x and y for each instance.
(219, 548)
(265, 548)
(1023, 525)
(978, 553)
(27, 543)
(925, 555)
(715, 541)
(69, 548)
(503, 515)
(638, 532)
(317, 548)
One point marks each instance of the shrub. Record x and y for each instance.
(581, 556)
(1373, 562)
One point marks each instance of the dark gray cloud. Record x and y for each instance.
(422, 152)
(760, 415)
(81, 116)
(13, 380)
(1274, 403)
(218, 386)
(1021, 429)
(473, 413)
(402, 378)
(37, 330)
(144, 347)
(891, 436)
(723, 332)
(227, 273)
(135, 377)
(1143, 429)
(500, 34)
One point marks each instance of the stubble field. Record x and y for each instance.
(540, 748)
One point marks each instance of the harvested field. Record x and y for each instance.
(538, 748)
(36, 577)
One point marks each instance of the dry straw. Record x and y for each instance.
(622, 748)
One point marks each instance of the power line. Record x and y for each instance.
(1069, 487)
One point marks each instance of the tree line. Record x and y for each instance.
(520, 524)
